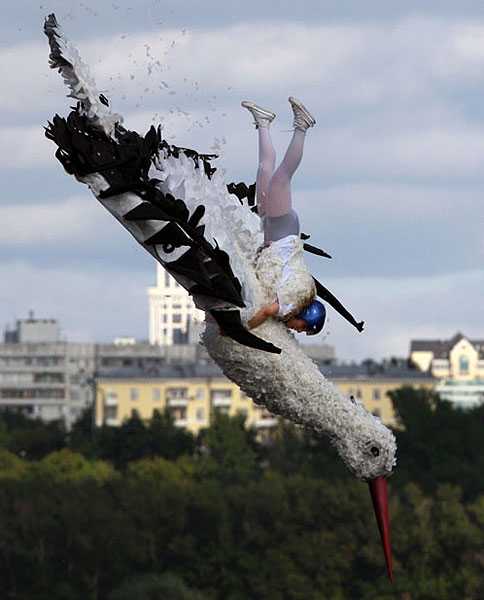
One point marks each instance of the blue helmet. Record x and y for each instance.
(314, 315)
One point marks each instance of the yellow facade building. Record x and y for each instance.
(192, 392)
(457, 364)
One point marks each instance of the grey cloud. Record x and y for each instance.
(394, 230)
(22, 18)
(396, 310)
(89, 305)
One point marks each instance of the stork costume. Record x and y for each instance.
(207, 235)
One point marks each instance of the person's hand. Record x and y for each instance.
(264, 313)
(296, 324)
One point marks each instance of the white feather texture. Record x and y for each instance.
(78, 79)
(229, 224)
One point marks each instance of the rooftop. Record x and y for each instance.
(199, 370)
(171, 371)
(441, 348)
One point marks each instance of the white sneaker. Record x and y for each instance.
(262, 116)
(303, 119)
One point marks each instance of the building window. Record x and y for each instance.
(200, 394)
(165, 318)
(177, 318)
(200, 414)
(179, 413)
(179, 336)
(221, 394)
(359, 393)
(376, 394)
(156, 394)
(134, 394)
(111, 412)
(180, 393)
(177, 307)
(463, 365)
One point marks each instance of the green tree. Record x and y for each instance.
(155, 587)
(38, 440)
(229, 449)
(66, 465)
(438, 443)
(168, 440)
(11, 466)
(82, 435)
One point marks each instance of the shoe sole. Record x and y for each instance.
(262, 112)
(295, 102)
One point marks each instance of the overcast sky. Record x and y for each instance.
(391, 184)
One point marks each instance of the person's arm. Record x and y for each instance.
(264, 313)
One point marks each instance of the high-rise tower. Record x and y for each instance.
(174, 319)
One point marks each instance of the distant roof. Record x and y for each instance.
(374, 372)
(441, 348)
(201, 370)
(171, 371)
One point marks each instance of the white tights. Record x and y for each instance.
(274, 188)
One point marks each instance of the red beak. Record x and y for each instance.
(379, 496)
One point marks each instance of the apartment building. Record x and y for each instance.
(43, 376)
(191, 393)
(173, 317)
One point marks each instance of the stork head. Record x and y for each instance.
(365, 444)
(368, 448)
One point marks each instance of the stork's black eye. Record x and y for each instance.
(375, 451)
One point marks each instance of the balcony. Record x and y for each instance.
(222, 402)
(177, 397)
(221, 398)
(111, 400)
(177, 402)
(267, 423)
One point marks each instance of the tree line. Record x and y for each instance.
(149, 511)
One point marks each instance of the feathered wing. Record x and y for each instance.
(163, 195)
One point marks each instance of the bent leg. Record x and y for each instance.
(279, 201)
